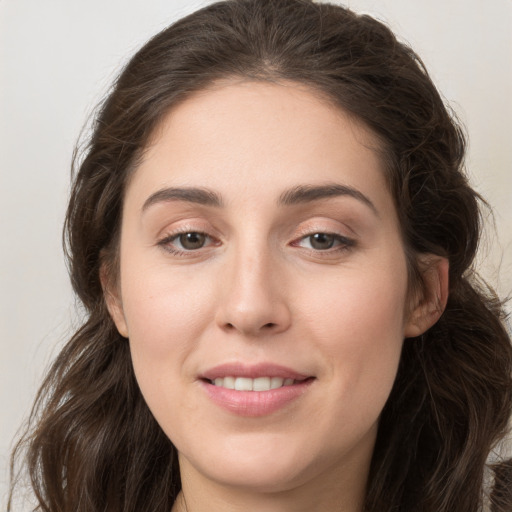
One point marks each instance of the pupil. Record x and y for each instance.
(192, 240)
(322, 241)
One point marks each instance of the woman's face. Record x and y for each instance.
(260, 249)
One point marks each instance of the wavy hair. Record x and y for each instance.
(92, 444)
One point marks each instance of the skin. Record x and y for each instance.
(259, 290)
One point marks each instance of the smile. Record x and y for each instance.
(254, 390)
(248, 384)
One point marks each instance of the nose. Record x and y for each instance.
(253, 299)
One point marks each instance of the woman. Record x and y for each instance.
(273, 237)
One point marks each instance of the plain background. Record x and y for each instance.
(57, 59)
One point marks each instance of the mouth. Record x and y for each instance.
(253, 377)
(254, 390)
(256, 384)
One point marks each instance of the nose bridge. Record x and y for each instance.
(253, 302)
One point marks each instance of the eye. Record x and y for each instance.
(185, 242)
(191, 241)
(321, 241)
(324, 242)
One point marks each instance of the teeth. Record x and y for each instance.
(229, 382)
(276, 382)
(261, 384)
(243, 384)
(247, 384)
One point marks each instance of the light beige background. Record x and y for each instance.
(57, 59)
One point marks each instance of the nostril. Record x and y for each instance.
(251, 329)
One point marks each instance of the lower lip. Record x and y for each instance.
(255, 403)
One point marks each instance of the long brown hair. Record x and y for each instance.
(92, 444)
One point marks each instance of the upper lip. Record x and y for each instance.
(252, 371)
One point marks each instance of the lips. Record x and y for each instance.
(248, 384)
(252, 371)
(254, 390)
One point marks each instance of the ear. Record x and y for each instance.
(113, 300)
(430, 303)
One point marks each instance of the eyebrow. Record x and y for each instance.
(309, 193)
(300, 194)
(196, 195)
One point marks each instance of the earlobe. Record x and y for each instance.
(113, 302)
(429, 306)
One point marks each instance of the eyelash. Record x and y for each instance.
(342, 243)
(165, 242)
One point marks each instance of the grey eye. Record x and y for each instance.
(322, 241)
(192, 241)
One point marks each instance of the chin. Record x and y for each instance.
(268, 476)
(273, 463)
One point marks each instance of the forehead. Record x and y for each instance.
(259, 138)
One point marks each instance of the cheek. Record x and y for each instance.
(164, 309)
(358, 307)
(357, 324)
(165, 314)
